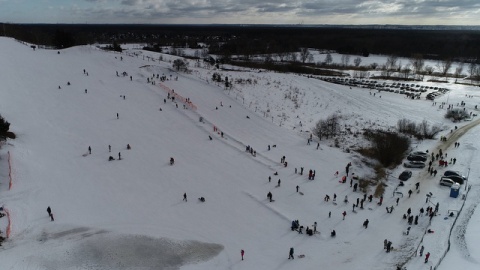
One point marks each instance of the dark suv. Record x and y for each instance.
(405, 175)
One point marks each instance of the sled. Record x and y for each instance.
(301, 193)
(84, 155)
(370, 208)
(334, 203)
(301, 256)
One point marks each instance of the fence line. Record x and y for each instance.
(178, 97)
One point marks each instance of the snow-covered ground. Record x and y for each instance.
(130, 213)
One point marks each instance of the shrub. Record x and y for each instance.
(456, 115)
(327, 128)
(4, 127)
(379, 190)
(387, 147)
(420, 131)
(179, 64)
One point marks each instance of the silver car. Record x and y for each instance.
(446, 182)
(414, 164)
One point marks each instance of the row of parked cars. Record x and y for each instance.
(439, 92)
(414, 160)
(409, 89)
(451, 177)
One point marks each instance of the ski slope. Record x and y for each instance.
(130, 213)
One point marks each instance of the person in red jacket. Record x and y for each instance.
(242, 252)
(427, 256)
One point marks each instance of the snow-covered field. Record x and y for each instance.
(130, 213)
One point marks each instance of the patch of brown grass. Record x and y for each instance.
(379, 189)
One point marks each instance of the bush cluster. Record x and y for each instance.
(421, 130)
(387, 147)
(326, 128)
(457, 115)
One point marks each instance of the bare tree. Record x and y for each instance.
(406, 70)
(429, 70)
(293, 57)
(357, 61)
(329, 127)
(458, 71)
(328, 59)
(390, 65)
(179, 64)
(345, 60)
(304, 54)
(472, 69)
(281, 55)
(477, 73)
(204, 53)
(417, 63)
(196, 54)
(310, 58)
(444, 66)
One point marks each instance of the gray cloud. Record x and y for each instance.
(279, 11)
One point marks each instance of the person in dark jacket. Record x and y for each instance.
(290, 254)
(365, 223)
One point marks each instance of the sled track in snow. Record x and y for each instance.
(228, 139)
(268, 207)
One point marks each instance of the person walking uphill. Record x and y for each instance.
(50, 214)
(365, 223)
(242, 252)
(270, 196)
(427, 256)
(290, 254)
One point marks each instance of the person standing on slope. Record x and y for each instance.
(290, 254)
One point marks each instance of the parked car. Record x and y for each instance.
(405, 175)
(455, 178)
(417, 158)
(446, 182)
(419, 153)
(457, 173)
(414, 164)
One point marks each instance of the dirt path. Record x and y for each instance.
(444, 145)
(454, 137)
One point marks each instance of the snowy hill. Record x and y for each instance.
(130, 213)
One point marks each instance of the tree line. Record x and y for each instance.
(458, 45)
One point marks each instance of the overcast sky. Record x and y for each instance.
(409, 12)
